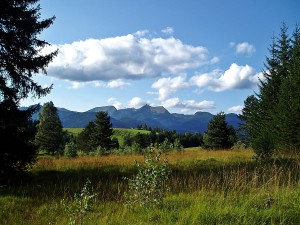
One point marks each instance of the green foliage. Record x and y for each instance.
(239, 145)
(81, 204)
(165, 146)
(50, 135)
(177, 145)
(219, 134)
(264, 146)
(150, 184)
(84, 137)
(102, 132)
(17, 132)
(70, 150)
(20, 60)
(275, 111)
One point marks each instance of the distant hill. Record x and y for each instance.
(152, 116)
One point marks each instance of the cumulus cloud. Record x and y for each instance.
(117, 83)
(167, 86)
(115, 102)
(131, 56)
(136, 102)
(236, 77)
(244, 48)
(188, 105)
(235, 109)
(168, 30)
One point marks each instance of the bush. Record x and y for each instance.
(81, 204)
(70, 150)
(150, 184)
(238, 145)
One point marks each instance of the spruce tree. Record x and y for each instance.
(84, 138)
(218, 133)
(288, 108)
(102, 132)
(275, 120)
(249, 128)
(275, 72)
(20, 60)
(50, 134)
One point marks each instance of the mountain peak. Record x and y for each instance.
(108, 109)
(156, 109)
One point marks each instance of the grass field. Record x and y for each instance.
(119, 133)
(207, 187)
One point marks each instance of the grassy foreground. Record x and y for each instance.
(207, 187)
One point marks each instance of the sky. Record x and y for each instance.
(188, 56)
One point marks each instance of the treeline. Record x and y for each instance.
(272, 116)
(98, 138)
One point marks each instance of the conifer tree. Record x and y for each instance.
(275, 120)
(288, 108)
(84, 138)
(50, 134)
(102, 132)
(218, 133)
(20, 60)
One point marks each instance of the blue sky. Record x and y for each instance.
(188, 56)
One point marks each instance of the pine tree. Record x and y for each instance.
(20, 60)
(218, 133)
(288, 109)
(84, 138)
(276, 71)
(273, 121)
(50, 134)
(249, 128)
(102, 132)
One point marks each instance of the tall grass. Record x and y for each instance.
(207, 187)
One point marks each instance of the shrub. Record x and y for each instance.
(70, 150)
(150, 184)
(81, 204)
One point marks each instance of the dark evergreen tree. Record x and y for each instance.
(275, 72)
(218, 133)
(84, 138)
(17, 134)
(288, 108)
(249, 128)
(102, 132)
(50, 135)
(271, 120)
(20, 60)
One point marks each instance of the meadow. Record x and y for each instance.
(206, 187)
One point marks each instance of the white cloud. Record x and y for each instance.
(171, 103)
(188, 105)
(245, 48)
(130, 56)
(236, 77)
(168, 30)
(136, 102)
(235, 109)
(117, 83)
(168, 86)
(115, 102)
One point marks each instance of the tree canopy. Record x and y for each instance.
(219, 134)
(49, 136)
(20, 60)
(271, 118)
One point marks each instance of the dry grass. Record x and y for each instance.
(186, 156)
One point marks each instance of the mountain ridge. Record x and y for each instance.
(157, 116)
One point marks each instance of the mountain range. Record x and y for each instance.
(152, 116)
